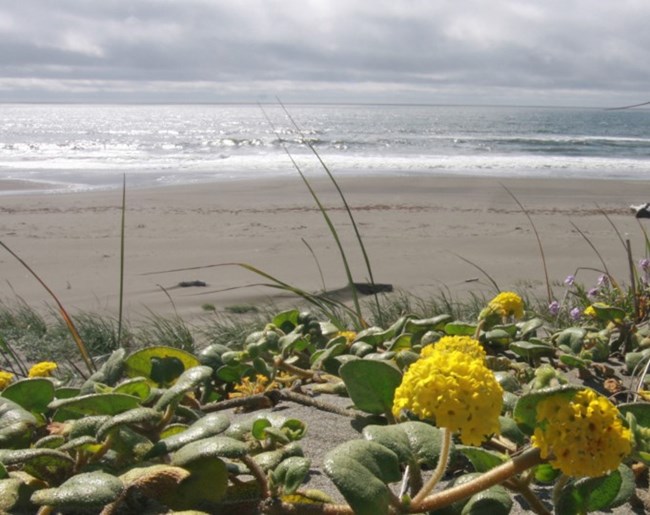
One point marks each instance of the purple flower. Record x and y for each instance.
(592, 293)
(570, 280)
(644, 264)
(554, 308)
(575, 314)
(603, 280)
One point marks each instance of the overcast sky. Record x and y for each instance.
(541, 52)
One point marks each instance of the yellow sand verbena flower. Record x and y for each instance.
(247, 387)
(464, 344)
(590, 311)
(507, 304)
(453, 388)
(349, 335)
(43, 369)
(583, 435)
(5, 379)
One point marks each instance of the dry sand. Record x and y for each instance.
(415, 228)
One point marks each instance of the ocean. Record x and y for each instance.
(70, 148)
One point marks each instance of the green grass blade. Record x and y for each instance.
(120, 313)
(330, 225)
(341, 195)
(549, 291)
(68, 321)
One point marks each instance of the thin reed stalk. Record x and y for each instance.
(120, 311)
(343, 199)
(549, 291)
(328, 221)
(68, 320)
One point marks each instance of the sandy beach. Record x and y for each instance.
(414, 227)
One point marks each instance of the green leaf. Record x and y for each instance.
(16, 422)
(511, 431)
(593, 494)
(42, 463)
(608, 313)
(401, 342)
(545, 473)
(525, 412)
(573, 361)
(497, 336)
(14, 496)
(32, 394)
(212, 447)
(189, 380)
(145, 416)
(86, 490)
(162, 365)
(421, 326)
(494, 500)
(65, 392)
(271, 459)
(97, 404)
(532, 351)
(138, 387)
(206, 486)
(290, 473)
(210, 425)
(109, 374)
(572, 337)
(371, 384)
(360, 470)
(458, 328)
(640, 410)
(286, 320)
(482, 459)
(529, 327)
(411, 440)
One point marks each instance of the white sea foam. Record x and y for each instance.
(77, 147)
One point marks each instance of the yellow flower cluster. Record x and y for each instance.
(43, 369)
(5, 379)
(463, 344)
(248, 387)
(507, 304)
(583, 435)
(451, 385)
(349, 335)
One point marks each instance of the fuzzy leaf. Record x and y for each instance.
(640, 410)
(360, 470)
(210, 425)
(290, 473)
(482, 459)
(532, 351)
(87, 490)
(409, 441)
(146, 416)
(162, 365)
(371, 384)
(32, 394)
(15, 422)
(189, 380)
(212, 447)
(494, 500)
(594, 494)
(96, 404)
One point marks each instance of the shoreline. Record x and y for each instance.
(414, 229)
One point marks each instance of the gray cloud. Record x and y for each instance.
(581, 51)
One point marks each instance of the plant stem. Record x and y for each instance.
(443, 461)
(258, 474)
(523, 489)
(529, 458)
